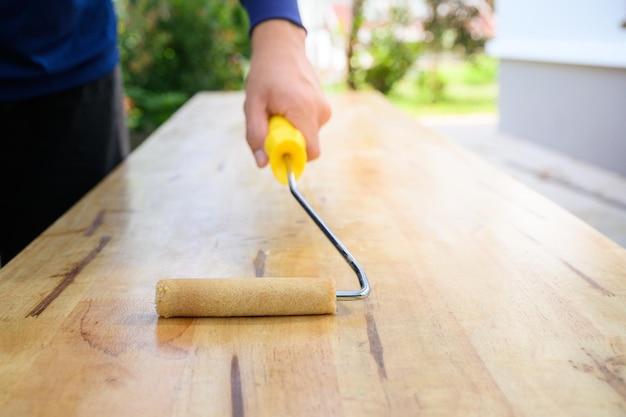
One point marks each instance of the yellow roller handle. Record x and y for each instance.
(283, 139)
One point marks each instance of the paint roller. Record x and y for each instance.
(232, 297)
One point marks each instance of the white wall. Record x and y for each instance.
(563, 76)
(578, 110)
(580, 32)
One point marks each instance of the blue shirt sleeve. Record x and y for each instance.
(262, 10)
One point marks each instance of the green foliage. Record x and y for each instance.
(391, 60)
(390, 56)
(470, 87)
(433, 84)
(461, 26)
(150, 109)
(481, 70)
(171, 49)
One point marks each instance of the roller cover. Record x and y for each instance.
(245, 297)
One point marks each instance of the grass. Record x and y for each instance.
(470, 87)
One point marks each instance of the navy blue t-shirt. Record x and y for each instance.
(52, 45)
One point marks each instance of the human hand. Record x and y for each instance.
(282, 81)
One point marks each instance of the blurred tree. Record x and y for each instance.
(171, 49)
(353, 40)
(387, 56)
(454, 25)
(392, 57)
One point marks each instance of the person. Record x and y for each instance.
(61, 102)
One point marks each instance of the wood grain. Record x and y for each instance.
(488, 300)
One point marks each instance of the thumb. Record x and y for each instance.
(256, 129)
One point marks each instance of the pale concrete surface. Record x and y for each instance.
(593, 194)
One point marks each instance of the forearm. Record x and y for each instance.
(281, 80)
(279, 37)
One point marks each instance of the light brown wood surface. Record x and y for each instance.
(488, 299)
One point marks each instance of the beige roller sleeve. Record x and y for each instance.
(245, 297)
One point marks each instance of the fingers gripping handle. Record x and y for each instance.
(283, 139)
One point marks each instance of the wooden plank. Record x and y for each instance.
(593, 194)
(487, 298)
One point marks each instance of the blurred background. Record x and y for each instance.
(537, 87)
(426, 56)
